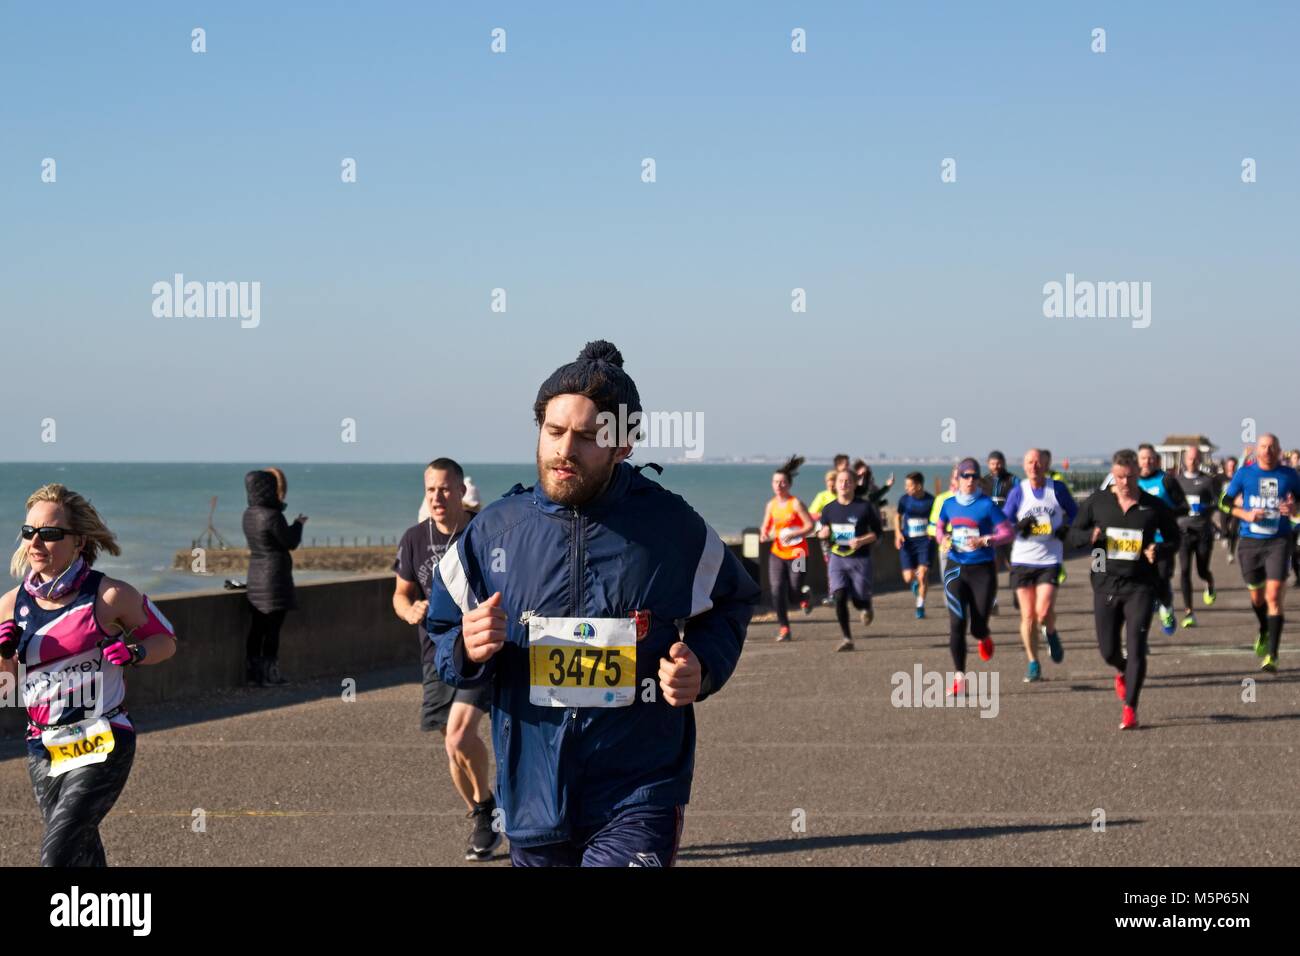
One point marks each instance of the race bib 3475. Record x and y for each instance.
(582, 662)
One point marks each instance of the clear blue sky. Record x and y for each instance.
(522, 171)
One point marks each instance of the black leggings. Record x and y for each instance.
(1231, 529)
(1129, 612)
(842, 598)
(1165, 589)
(74, 804)
(1201, 543)
(783, 580)
(969, 590)
(264, 634)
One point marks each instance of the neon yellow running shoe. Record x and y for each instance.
(1261, 644)
(1189, 620)
(1270, 664)
(1209, 597)
(1060, 577)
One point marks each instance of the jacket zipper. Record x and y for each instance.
(575, 584)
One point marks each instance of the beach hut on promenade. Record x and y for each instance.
(1172, 448)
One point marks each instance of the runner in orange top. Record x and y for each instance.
(785, 523)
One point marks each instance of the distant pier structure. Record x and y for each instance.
(1172, 448)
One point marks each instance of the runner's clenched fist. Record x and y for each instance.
(680, 675)
(484, 629)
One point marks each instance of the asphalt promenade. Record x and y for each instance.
(804, 759)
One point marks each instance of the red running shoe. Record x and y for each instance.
(1130, 720)
(1121, 689)
(986, 648)
(958, 686)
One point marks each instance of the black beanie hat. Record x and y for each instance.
(598, 374)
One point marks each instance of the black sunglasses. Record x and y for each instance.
(47, 534)
(969, 474)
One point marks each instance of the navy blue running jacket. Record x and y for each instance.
(635, 548)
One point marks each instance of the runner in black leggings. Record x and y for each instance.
(971, 526)
(1120, 524)
(1202, 491)
(1229, 526)
(75, 631)
(786, 523)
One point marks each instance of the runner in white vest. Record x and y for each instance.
(1041, 509)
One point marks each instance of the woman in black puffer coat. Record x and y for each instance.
(270, 570)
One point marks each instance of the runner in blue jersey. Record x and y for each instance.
(1293, 459)
(970, 526)
(1263, 495)
(1159, 484)
(912, 537)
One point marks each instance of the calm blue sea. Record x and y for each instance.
(157, 509)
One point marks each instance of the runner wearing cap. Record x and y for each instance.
(970, 526)
(600, 608)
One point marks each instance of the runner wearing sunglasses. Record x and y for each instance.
(970, 527)
(68, 633)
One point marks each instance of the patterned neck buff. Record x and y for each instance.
(67, 582)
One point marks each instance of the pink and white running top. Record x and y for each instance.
(67, 678)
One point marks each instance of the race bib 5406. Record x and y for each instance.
(78, 745)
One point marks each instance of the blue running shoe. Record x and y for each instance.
(1167, 623)
(920, 613)
(1033, 673)
(916, 586)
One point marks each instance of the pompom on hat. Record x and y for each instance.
(598, 374)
